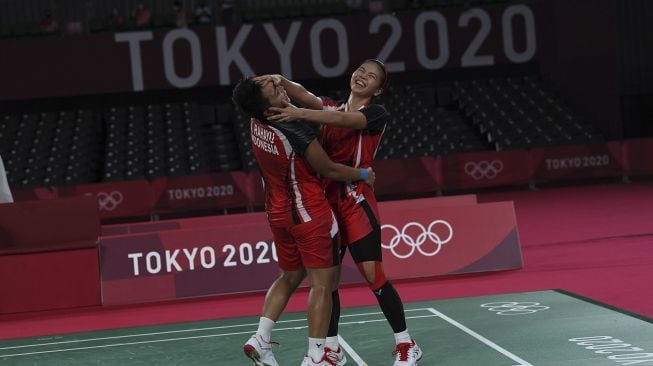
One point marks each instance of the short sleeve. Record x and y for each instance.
(377, 118)
(329, 104)
(299, 134)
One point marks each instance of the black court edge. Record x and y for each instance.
(607, 306)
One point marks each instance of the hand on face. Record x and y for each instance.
(275, 94)
(286, 114)
(275, 79)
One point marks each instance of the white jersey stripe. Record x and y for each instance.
(299, 204)
(379, 144)
(284, 140)
(298, 195)
(334, 225)
(359, 150)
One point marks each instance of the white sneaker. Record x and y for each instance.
(260, 351)
(308, 361)
(407, 354)
(337, 357)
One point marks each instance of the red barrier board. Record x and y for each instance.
(49, 280)
(408, 176)
(232, 219)
(115, 199)
(487, 169)
(49, 254)
(63, 223)
(450, 240)
(120, 199)
(639, 157)
(256, 192)
(225, 190)
(578, 162)
(185, 263)
(420, 238)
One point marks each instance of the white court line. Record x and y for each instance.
(185, 338)
(354, 356)
(486, 341)
(143, 334)
(178, 331)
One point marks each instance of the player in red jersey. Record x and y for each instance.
(352, 132)
(304, 228)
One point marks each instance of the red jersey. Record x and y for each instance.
(355, 148)
(293, 193)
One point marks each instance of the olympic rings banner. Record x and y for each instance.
(450, 240)
(115, 199)
(487, 169)
(136, 198)
(235, 253)
(396, 178)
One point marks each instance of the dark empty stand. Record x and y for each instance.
(155, 140)
(151, 140)
(519, 112)
(50, 148)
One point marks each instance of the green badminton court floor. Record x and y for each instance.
(547, 328)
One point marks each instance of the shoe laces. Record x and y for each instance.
(402, 350)
(328, 361)
(332, 354)
(264, 342)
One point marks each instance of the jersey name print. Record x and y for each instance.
(264, 139)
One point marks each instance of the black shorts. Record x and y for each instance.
(366, 249)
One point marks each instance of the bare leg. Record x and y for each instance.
(319, 300)
(279, 293)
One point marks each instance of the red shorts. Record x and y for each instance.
(313, 244)
(356, 220)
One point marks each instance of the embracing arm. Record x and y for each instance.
(356, 120)
(295, 91)
(319, 160)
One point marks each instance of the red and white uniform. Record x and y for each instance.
(302, 223)
(354, 202)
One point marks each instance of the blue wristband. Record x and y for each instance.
(363, 174)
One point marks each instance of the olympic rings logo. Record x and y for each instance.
(514, 308)
(418, 242)
(109, 201)
(484, 169)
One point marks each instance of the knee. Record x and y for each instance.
(294, 278)
(373, 273)
(323, 279)
(368, 272)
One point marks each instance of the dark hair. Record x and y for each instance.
(386, 74)
(248, 98)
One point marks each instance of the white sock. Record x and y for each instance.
(402, 337)
(265, 326)
(316, 348)
(332, 343)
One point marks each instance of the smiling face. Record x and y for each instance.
(275, 95)
(367, 79)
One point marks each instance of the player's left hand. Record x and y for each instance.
(371, 177)
(275, 79)
(286, 114)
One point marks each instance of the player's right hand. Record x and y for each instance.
(371, 177)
